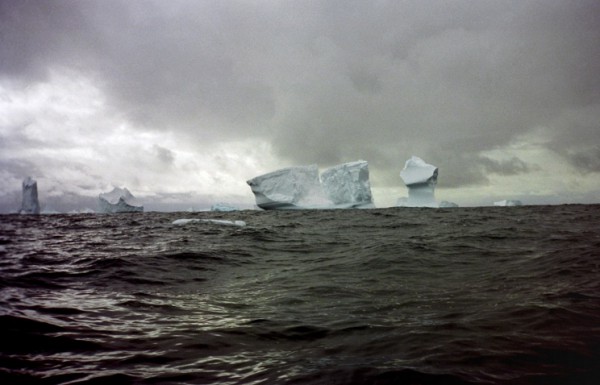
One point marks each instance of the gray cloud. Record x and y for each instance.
(164, 155)
(513, 166)
(586, 161)
(332, 81)
(20, 167)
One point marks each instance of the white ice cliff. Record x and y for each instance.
(348, 184)
(119, 200)
(288, 188)
(420, 178)
(343, 186)
(30, 204)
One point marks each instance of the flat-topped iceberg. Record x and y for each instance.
(30, 203)
(348, 184)
(343, 186)
(224, 222)
(508, 202)
(288, 188)
(119, 200)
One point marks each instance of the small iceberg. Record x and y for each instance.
(508, 202)
(119, 200)
(223, 207)
(223, 222)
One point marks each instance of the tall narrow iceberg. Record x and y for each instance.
(30, 203)
(119, 200)
(343, 186)
(420, 178)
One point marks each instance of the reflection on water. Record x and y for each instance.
(486, 295)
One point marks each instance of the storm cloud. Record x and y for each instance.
(478, 88)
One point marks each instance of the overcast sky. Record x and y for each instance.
(183, 101)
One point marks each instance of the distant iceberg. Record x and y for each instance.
(446, 204)
(224, 222)
(421, 179)
(119, 200)
(223, 207)
(30, 203)
(343, 186)
(508, 202)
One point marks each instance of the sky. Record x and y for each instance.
(181, 102)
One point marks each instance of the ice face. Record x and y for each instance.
(119, 200)
(420, 178)
(288, 188)
(348, 183)
(343, 186)
(30, 204)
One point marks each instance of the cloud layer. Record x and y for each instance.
(215, 92)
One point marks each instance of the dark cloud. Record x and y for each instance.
(332, 81)
(20, 168)
(513, 166)
(35, 34)
(586, 161)
(164, 155)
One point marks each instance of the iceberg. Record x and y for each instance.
(30, 203)
(288, 188)
(119, 200)
(508, 202)
(420, 178)
(447, 204)
(342, 186)
(348, 185)
(224, 222)
(223, 207)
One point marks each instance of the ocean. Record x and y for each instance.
(482, 295)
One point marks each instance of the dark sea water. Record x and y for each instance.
(490, 295)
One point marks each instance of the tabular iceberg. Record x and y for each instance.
(288, 188)
(30, 203)
(343, 186)
(119, 200)
(508, 202)
(348, 184)
(420, 178)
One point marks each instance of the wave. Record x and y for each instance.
(383, 296)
